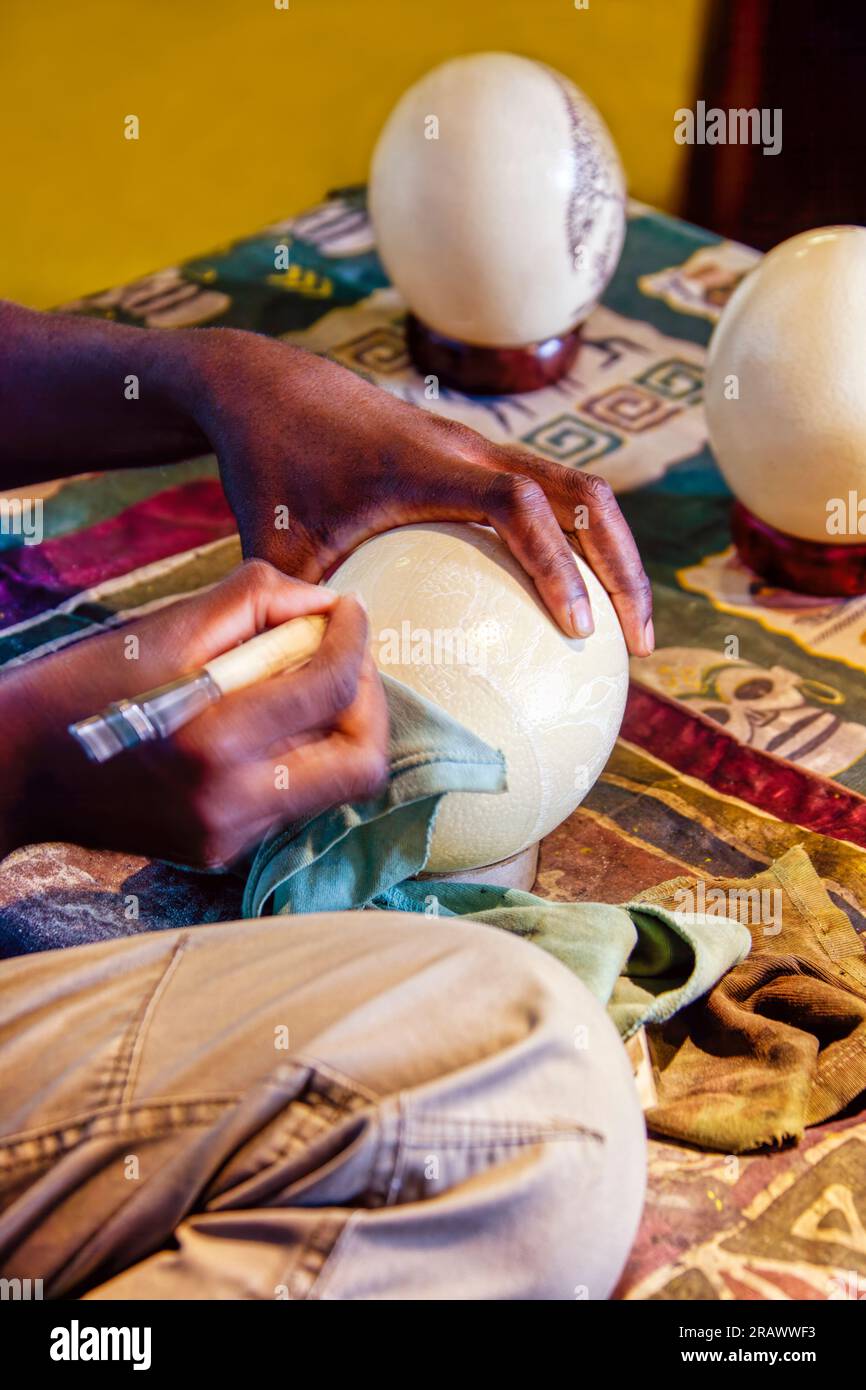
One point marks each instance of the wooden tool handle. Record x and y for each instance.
(282, 649)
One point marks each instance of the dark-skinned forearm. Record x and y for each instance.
(81, 393)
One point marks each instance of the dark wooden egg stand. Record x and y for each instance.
(806, 567)
(489, 371)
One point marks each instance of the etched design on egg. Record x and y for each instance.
(593, 187)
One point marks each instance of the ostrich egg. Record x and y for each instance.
(786, 387)
(453, 616)
(498, 201)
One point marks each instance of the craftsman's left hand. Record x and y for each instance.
(303, 439)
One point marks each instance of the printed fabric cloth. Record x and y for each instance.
(645, 961)
(759, 998)
(744, 734)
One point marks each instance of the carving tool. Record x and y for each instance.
(160, 712)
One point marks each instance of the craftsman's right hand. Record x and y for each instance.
(283, 749)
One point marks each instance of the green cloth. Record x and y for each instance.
(344, 857)
(644, 960)
(779, 1043)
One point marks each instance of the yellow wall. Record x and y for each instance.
(248, 112)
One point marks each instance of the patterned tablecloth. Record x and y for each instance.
(745, 733)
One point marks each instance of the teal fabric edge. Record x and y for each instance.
(430, 754)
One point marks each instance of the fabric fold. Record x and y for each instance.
(752, 991)
(755, 1009)
(644, 961)
(344, 857)
(779, 1043)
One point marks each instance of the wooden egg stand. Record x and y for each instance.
(490, 371)
(806, 567)
(517, 871)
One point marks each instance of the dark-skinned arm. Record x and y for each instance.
(294, 431)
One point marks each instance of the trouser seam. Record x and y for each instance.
(114, 1086)
(327, 1235)
(315, 1113)
(317, 1251)
(324, 1272)
(499, 1131)
(316, 1259)
(342, 1078)
(466, 1133)
(142, 1123)
(396, 1178)
(320, 1107)
(137, 1048)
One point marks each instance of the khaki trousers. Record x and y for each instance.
(348, 1106)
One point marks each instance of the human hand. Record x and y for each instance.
(299, 435)
(346, 460)
(274, 752)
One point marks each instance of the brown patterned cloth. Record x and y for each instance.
(780, 1042)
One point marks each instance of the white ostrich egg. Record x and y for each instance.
(786, 384)
(498, 200)
(453, 616)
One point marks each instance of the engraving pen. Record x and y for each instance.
(160, 712)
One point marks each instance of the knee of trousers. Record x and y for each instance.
(591, 1186)
(553, 1161)
(457, 1042)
